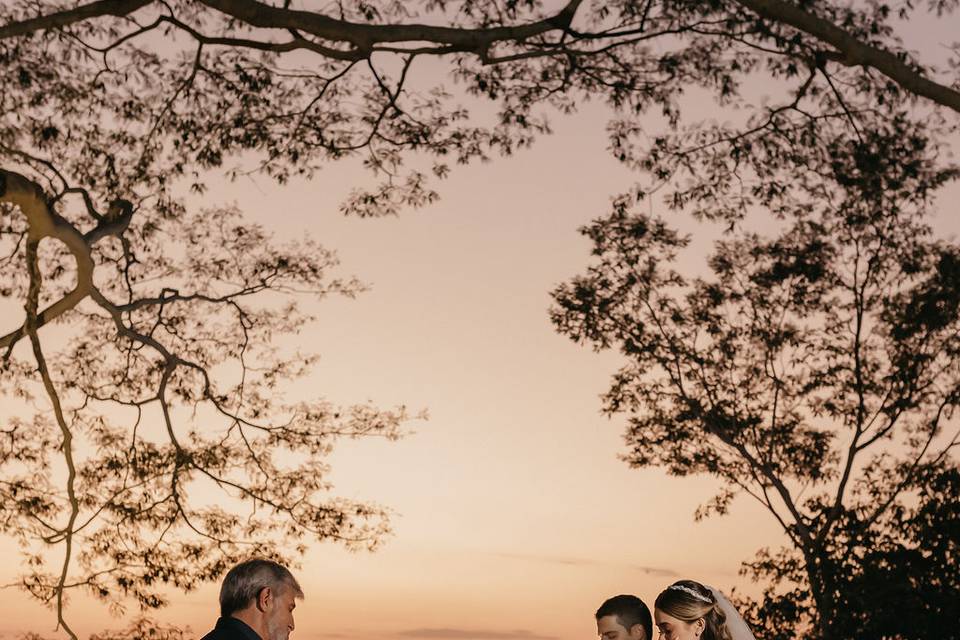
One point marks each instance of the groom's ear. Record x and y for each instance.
(637, 632)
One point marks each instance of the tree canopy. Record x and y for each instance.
(813, 368)
(115, 115)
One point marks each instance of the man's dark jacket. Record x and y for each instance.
(232, 629)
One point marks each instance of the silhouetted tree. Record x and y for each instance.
(133, 96)
(815, 368)
(162, 449)
(113, 110)
(897, 578)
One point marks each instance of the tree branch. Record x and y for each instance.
(60, 19)
(43, 222)
(67, 443)
(851, 51)
(364, 36)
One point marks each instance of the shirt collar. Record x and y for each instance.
(241, 627)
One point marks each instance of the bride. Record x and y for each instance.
(688, 610)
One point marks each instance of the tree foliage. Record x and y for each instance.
(161, 384)
(896, 579)
(140, 311)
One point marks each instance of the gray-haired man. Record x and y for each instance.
(257, 599)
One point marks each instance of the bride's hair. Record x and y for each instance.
(689, 601)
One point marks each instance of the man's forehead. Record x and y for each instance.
(291, 589)
(609, 623)
(289, 593)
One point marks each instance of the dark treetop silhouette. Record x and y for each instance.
(815, 369)
(112, 111)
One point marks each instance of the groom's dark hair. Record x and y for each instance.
(629, 611)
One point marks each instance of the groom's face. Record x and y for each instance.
(610, 628)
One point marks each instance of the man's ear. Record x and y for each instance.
(264, 599)
(637, 632)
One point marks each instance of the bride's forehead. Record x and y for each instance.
(664, 618)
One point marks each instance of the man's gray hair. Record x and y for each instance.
(244, 582)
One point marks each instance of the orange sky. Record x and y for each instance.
(514, 517)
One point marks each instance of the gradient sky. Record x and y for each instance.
(514, 517)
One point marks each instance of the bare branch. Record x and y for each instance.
(851, 52)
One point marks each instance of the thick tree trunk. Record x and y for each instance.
(823, 589)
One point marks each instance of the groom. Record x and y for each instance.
(257, 600)
(624, 618)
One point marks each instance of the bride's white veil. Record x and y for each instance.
(735, 623)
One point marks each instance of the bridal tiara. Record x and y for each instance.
(693, 592)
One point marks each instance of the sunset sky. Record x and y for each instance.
(514, 519)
